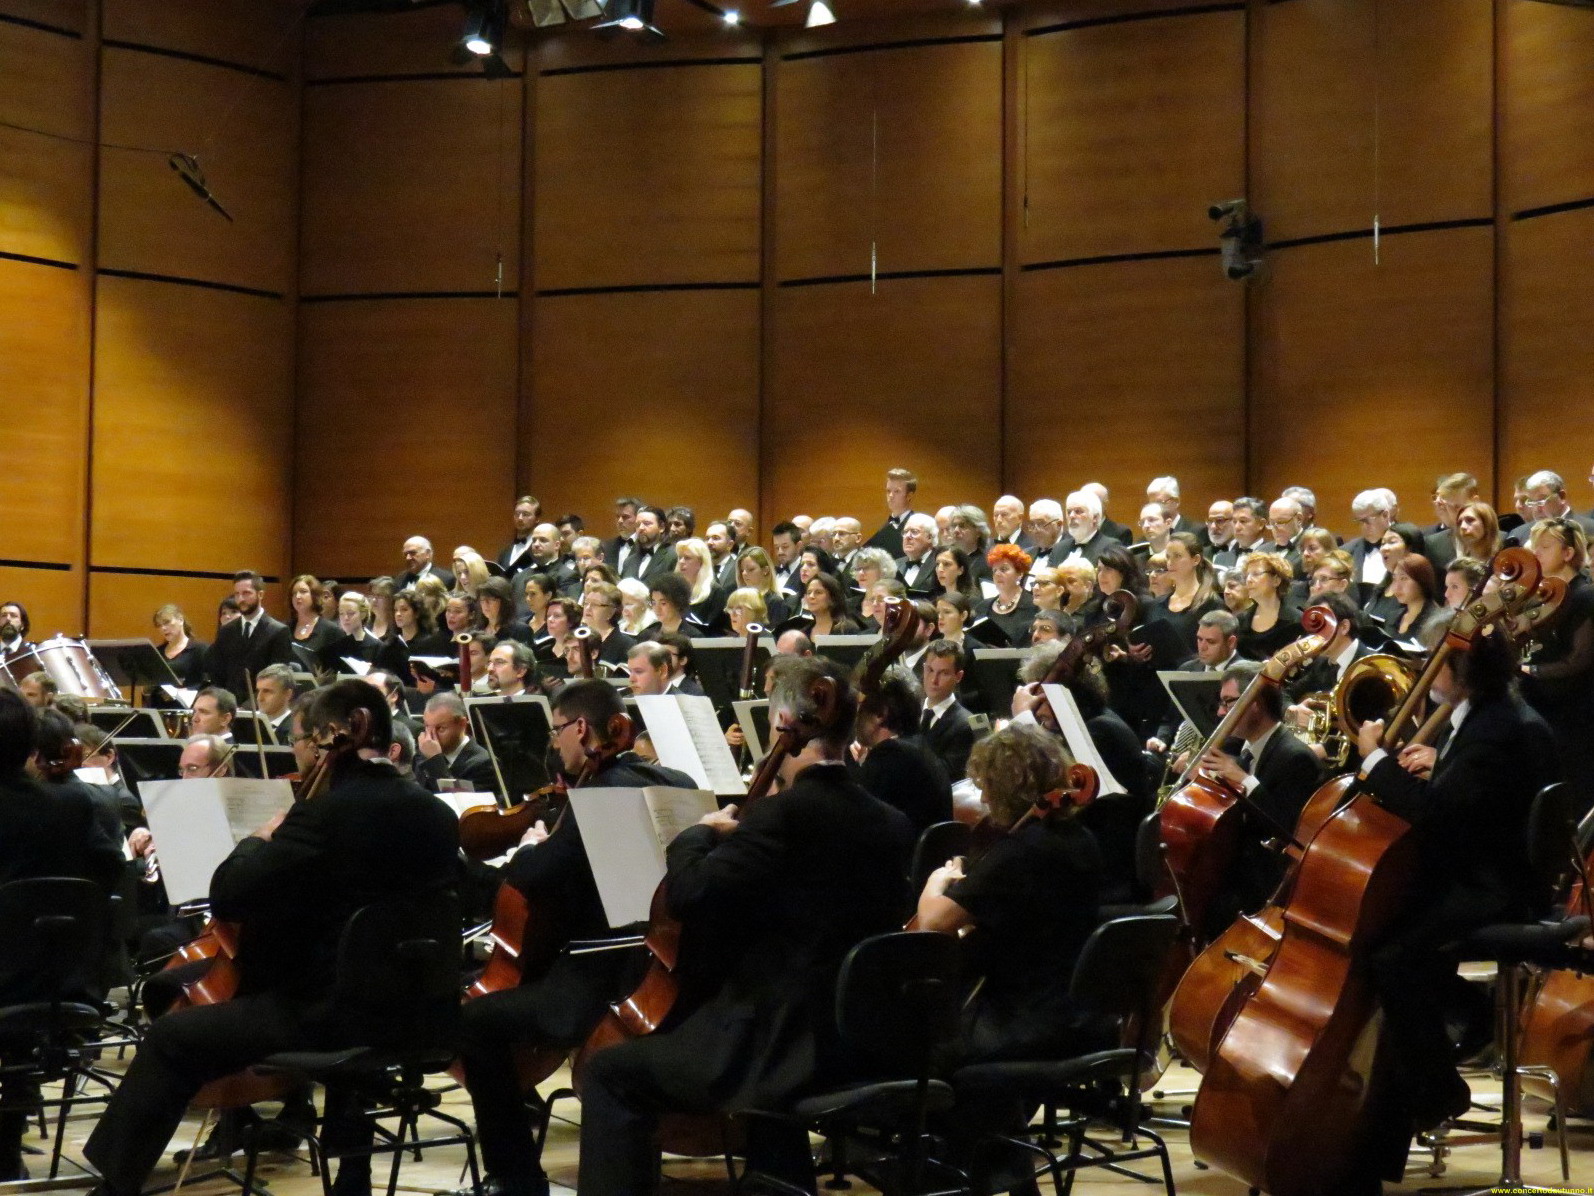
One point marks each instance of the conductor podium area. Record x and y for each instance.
(1466, 1167)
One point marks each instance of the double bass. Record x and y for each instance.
(1287, 1104)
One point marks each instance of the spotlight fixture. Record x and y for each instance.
(732, 17)
(1241, 238)
(819, 13)
(635, 16)
(484, 28)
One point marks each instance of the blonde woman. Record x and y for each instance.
(695, 562)
(470, 570)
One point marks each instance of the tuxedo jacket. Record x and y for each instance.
(473, 765)
(951, 738)
(889, 536)
(1091, 549)
(1117, 531)
(648, 569)
(924, 582)
(512, 562)
(443, 575)
(234, 658)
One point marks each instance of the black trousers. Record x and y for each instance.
(182, 1052)
(558, 1010)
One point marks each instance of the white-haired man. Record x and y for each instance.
(1085, 539)
(1007, 522)
(1045, 532)
(916, 565)
(1374, 510)
(1165, 490)
(1109, 526)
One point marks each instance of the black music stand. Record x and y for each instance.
(250, 727)
(148, 760)
(279, 762)
(133, 662)
(128, 724)
(753, 718)
(993, 674)
(845, 650)
(1196, 696)
(718, 661)
(518, 730)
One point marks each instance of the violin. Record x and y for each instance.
(1287, 1101)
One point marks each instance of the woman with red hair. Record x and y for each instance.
(1011, 608)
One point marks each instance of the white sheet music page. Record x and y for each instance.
(623, 850)
(686, 735)
(1078, 737)
(196, 822)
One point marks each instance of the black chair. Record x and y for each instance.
(937, 844)
(396, 999)
(1116, 978)
(897, 1000)
(1516, 948)
(55, 935)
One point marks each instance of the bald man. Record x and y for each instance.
(418, 564)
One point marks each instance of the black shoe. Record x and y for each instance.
(1447, 1099)
(277, 1135)
(11, 1172)
(491, 1185)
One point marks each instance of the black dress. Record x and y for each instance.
(1184, 622)
(1560, 686)
(1014, 624)
(1033, 898)
(189, 665)
(324, 632)
(1259, 645)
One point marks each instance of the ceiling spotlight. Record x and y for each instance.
(484, 28)
(633, 15)
(732, 17)
(819, 13)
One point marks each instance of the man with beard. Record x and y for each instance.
(14, 645)
(1085, 538)
(650, 557)
(250, 642)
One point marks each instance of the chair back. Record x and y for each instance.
(1151, 868)
(398, 980)
(1552, 843)
(1121, 964)
(937, 844)
(897, 999)
(53, 936)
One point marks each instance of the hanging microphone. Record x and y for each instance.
(188, 169)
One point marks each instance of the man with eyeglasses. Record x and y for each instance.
(1374, 511)
(559, 1007)
(1219, 527)
(1546, 499)
(1045, 532)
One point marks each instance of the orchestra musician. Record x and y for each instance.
(292, 886)
(447, 754)
(560, 1007)
(944, 726)
(889, 760)
(808, 872)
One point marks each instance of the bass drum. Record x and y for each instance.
(74, 670)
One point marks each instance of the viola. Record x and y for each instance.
(1287, 1102)
(488, 831)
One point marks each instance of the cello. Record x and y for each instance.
(1288, 1099)
(1201, 819)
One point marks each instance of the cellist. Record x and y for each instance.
(809, 872)
(1468, 805)
(291, 887)
(559, 1007)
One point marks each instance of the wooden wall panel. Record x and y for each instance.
(1547, 351)
(860, 383)
(420, 42)
(1547, 107)
(406, 426)
(149, 221)
(53, 599)
(192, 425)
(648, 176)
(899, 147)
(1320, 69)
(44, 181)
(124, 604)
(60, 14)
(410, 186)
(1125, 371)
(1127, 132)
(654, 392)
(263, 34)
(1369, 375)
(44, 370)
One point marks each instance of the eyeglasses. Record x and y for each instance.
(558, 727)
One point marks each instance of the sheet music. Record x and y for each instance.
(686, 735)
(185, 696)
(356, 666)
(624, 845)
(673, 810)
(461, 801)
(198, 821)
(94, 776)
(1066, 711)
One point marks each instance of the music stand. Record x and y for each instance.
(279, 761)
(517, 732)
(994, 675)
(250, 727)
(718, 661)
(845, 650)
(1196, 697)
(148, 760)
(753, 718)
(133, 662)
(129, 724)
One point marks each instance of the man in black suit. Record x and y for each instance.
(1109, 526)
(14, 645)
(1218, 530)
(1546, 499)
(418, 564)
(901, 486)
(445, 750)
(1165, 490)
(650, 556)
(1046, 532)
(1086, 537)
(545, 555)
(274, 694)
(44, 831)
(293, 886)
(1373, 510)
(618, 549)
(561, 999)
(846, 538)
(1284, 522)
(803, 876)
(722, 548)
(1277, 773)
(944, 726)
(1007, 522)
(250, 642)
(888, 759)
(786, 543)
(916, 565)
(1468, 805)
(514, 556)
(1250, 532)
